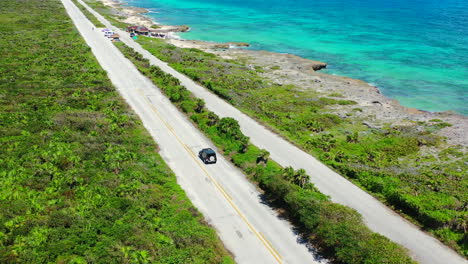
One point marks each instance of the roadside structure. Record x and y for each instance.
(138, 30)
(115, 37)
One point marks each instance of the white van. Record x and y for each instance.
(108, 33)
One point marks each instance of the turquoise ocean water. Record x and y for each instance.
(415, 51)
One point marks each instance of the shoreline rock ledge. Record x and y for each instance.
(167, 29)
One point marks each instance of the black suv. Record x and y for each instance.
(207, 155)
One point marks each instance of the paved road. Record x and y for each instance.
(250, 229)
(378, 217)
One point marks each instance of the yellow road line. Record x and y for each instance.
(260, 236)
(269, 243)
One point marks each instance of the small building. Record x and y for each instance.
(131, 29)
(138, 30)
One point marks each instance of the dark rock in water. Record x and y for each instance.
(167, 29)
(239, 44)
(319, 65)
(228, 45)
(183, 28)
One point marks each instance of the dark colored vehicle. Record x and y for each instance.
(132, 35)
(207, 155)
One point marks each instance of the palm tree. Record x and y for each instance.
(213, 119)
(340, 156)
(301, 178)
(327, 142)
(263, 156)
(288, 174)
(229, 126)
(200, 104)
(244, 143)
(353, 138)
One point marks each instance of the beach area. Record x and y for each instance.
(280, 68)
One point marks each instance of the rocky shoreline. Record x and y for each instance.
(375, 109)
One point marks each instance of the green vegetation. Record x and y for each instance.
(88, 15)
(336, 95)
(336, 230)
(392, 162)
(259, 69)
(106, 12)
(80, 178)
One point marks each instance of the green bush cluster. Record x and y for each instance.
(88, 15)
(80, 178)
(336, 230)
(107, 12)
(429, 186)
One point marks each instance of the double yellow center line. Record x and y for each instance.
(259, 235)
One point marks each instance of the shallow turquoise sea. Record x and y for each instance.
(415, 51)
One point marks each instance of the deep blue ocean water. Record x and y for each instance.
(415, 51)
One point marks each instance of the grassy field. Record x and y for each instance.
(338, 232)
(427, 186)
(80, 178)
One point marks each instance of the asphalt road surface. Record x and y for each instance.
(250, 229)
(381, 219)
(423, 247)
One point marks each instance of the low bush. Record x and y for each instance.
(80, 178)
(336, 230)
(407, 159)
(106, 12)
(88, 15)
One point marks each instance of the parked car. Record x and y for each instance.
(108, 33)
(207, 155)
(132, 35)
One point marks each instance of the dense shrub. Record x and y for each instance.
(384, 160)
(335, 229)
(106, 12)
(88, 15)
(80, 178)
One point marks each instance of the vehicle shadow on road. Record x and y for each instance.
(298, 230)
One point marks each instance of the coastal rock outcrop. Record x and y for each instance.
(205, 45)
(166, 29)
(371, 104)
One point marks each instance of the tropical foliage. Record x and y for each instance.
(88, 15)
(406, 166)
(107, 12)
(337, 231)
(80, 178)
